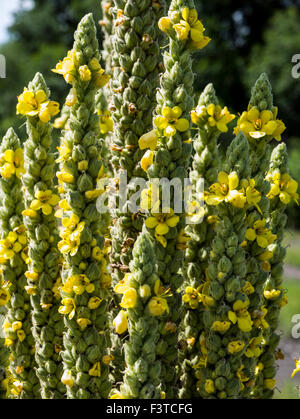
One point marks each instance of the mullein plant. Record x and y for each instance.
(85, 279)
(13, 258)
(226, 317)
(260, 126)
(43, 271)
(283, 191)
(210, 120)
(141, 291)
(136, 64)
(168, 155)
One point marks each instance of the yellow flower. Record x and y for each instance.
(21, 335)
(261, 234)
(78, 284)
(117, 395)
(170, 121)
(158, 305)
(4, 297)
(209, 386)
(191, 28)
(258, 125)
(83, 323)
(297, 369)
(269, 383)
(148, 140)
(10, 246)
(147, 160)
(37, 104)
(67, 379)
(271, 294)
(12, 163)
(258, 317)
(84, 73)
(120, 322)
(241, 315)
(94, 303)
(253, 196)
(226, 190)
(95, 371)
(284, 187)
(219, 117)
(16, 326)
(105, 121)
(106, 359)
(235, 346)
(150, 198)
(253, 349)
(45, 200)
(192, 296)
(221, 327)
(71, 242)
(68, 307)
(129, 298)
(182, 240)
(164, 24)
(162, 222)
(65, 176)
(248, 288)
(67, 67)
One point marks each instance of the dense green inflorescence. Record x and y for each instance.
(261, 116)
(205, 165)
(136, 64)
(143, 366)
(107, 28)
(168, 157)
(225, 317)
(44, 259)
(85, 279)
(13, 249)
(283, 191)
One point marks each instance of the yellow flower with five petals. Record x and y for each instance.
(170, 121)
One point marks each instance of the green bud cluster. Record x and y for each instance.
(107, 28)
(257, 265)
(136, 64)
(142, 375)
(205, 165)
(85, 280)
(17, 325)
(171, 160)
(278, 220)
(219, 361)
(45, 260)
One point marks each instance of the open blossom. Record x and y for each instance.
(12, 163)
(170, 121)
(226, 189)
(37, 104)
(257, 125)
(191, 28)
(284, 187)
(212, 115)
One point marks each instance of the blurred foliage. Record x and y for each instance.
(248, 37)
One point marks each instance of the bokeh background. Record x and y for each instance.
(248, 38)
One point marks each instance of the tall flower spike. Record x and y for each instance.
(85, 280)
(13, 249)
(44, 259)
(274, 294)
(258, 254)
(205, 164)
(225, 333)
(143, 366)
(170, 159)
(136, 62)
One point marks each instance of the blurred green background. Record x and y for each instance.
(248, 38)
